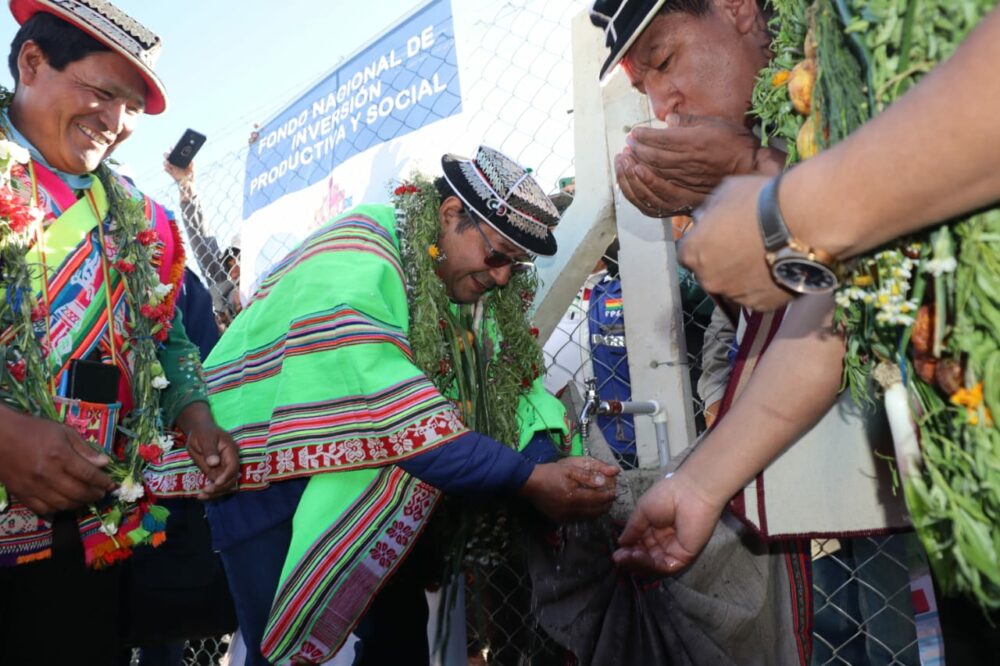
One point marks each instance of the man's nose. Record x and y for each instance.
(501, 275)
(114, 114)
(664, 101)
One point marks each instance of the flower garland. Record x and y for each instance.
(26, 377)
(483, 365)
(921, 315)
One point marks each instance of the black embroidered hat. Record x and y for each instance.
(622, 21)
(112, 27)
(506, 196)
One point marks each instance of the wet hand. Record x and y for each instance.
(574, 488)
(670, 525)
(666, 171)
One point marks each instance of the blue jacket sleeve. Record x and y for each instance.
(471, 464)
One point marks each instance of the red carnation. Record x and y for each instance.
(151, 453)
(39, 312)
(126, 267)
(18, 370)
(525, 383)
(19, 221)
(153, 311)
(399, 190)
(412, 189)
(161, 334)
(534, 332)
(146, 237)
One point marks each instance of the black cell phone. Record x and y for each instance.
(92, 381)
(185, 150)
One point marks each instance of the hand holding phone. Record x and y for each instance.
(185, 149)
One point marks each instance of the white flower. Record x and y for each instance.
(843, 299)
(11, 151)
(161, 290)
(160, 382)
(938, 267)
(129, 491)
(109, 527)
(165, 442)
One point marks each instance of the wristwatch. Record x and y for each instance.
(794, 265)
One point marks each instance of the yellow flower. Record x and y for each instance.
(863, 280)
(968, 398)
(780, 78)
(433, 251)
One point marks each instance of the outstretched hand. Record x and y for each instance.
(670, 525)
(574, 488)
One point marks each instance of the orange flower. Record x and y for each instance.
(780, 78)
(434, 251)
(968, 398)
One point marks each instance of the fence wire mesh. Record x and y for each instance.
(523, 65)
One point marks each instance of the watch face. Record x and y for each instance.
(804, 276)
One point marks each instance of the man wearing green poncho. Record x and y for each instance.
(332, 384)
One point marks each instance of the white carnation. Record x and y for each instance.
(160, 382)
(129, 491)
(165, 442)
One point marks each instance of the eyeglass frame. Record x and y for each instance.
(493, 255)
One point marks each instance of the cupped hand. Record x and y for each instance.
(670, 525)
(725, 250)
(574, 488)
(667, 171)
(47, 466)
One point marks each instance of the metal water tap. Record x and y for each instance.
(593, 405)
(590, 406)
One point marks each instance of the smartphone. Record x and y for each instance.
(185, 149)
(92, 381)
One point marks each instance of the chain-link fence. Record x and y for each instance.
(517, 89)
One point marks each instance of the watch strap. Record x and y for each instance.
(773, 229)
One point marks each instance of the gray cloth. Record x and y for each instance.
(731, 607)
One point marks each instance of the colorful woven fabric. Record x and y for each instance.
(78, 326)
(316, 376)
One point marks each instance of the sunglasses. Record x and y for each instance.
(497, 259)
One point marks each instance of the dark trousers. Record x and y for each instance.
(59, 611)
(393, 631)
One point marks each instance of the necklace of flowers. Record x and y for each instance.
(484, 378)
(26, 378)
(920, 315)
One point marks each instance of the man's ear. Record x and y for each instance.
(29, 61)
(745, 15)
(450, 212)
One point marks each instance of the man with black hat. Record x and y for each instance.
(386, 359)
(696, 61)
(89, 332)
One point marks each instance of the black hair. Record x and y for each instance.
(230, 257)
(703, 7)
(61, 42)
(445, 190)
(693, 7)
